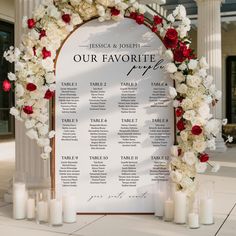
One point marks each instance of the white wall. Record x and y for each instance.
(7, 11)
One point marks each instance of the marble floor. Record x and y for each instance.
(129, 225)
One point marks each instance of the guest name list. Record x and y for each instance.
(114, 122)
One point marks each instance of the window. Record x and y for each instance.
(6, 98)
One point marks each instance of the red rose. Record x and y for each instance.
(6, 85)
(171, 38)
(204, 157)
(157, 20)
(114, 11)
(133, 15)
(66, 18)
(31, 87)
(42, 34)
(154, 29)
(180, 125)
(28, 110)
(31, 23)
(46, 53)
(179, 112)
(49, 94)
(196, 130)
(140, 19)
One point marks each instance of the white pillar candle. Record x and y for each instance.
(30, 208)
(42, 212)
(19, 201)
(193, 220)
(55, 209)
(69, 209)
(169, 210)
(180, 203)
(159, 204)
(206, 211)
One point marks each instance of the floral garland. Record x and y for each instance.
(192, 96)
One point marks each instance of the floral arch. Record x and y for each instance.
(34, 79)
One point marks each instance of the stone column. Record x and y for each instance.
(209, 45)
(28, 160)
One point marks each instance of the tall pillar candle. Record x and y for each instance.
(169, 210)
(69, 209)
(42, 212)
(19, 201)
(30, 208)
(159, 203)
(55, 211)
(206, 211)
(180, 203)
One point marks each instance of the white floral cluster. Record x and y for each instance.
(34, 76)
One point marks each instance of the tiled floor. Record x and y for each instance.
(137, 225)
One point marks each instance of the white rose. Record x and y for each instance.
(202, 73)
(50, 78)
(19, 90)
(53, 12)
(51, 134)
(47, 149)
(203, 63)
(76, 20)
(43, 129)
(204, 111)
(182, 66)
(176, 176)
(182, 88)
(179, 77)
(187, 104)
(14, 111)
(171, 68)
(193, 81)
(208, 81)
(11, 76)
(189, 158)
(192, 65)
(188, 115)
(184, 135)
(42, 142)
(171, 18)
(174, 150)
(168, 54)
(32, 134)
(75, 2)
(48, 64)
(172, 92)
(199, 146)
(211, 144)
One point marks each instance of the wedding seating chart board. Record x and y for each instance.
(113, 120)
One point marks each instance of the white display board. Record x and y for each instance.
(114, 123)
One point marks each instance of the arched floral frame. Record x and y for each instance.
(193, 95)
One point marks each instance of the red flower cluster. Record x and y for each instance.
(31, 23)
(204, 157)
(28, 110)
(157, 20)
(182, 53)
(140, 19)
(114, 11)
(49, 94)
(31, 87)
(179, 112)
(6, 85)
(42, 33)
(46, 53)
(171, 38)
(196, 130)
(180, 125)
(66, 18)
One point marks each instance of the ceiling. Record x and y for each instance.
(191, 6)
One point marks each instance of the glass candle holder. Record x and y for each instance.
(30, 205)
(42, 207)
(206, 203)
(159, 198)
(193, 216)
